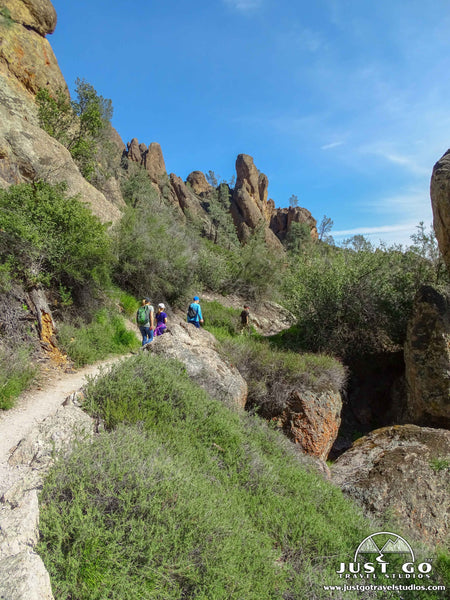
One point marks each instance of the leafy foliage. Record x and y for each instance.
(16, 373)
(50, 239)
(154, 251)
(76, 124)
(105, 335)
(353, 299)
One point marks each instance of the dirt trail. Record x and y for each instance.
(32, 408)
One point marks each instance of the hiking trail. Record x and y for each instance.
(35, 405)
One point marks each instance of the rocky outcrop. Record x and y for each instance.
(311, 420)
(28, 153)
(198, 183)
(150, 158)
(282, 219)
(427, 359)
(440, 202)
(38, 15)
(196, 349)
(25, 54)
(187, 200)
(250, 208)
(402, 471)
(22, 572)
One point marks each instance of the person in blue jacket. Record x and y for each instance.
(194, 313)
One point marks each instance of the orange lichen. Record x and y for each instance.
(49, 341)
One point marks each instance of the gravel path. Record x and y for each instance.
(32, 408)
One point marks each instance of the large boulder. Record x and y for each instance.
(311, 420)
(198, 183)
(38, 15)
(402, 473)
(25, 54)
(440, 202)
(427, 359)
(267, 317)
(196, 349)
(28, 153)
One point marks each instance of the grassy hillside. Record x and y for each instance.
(180, 497)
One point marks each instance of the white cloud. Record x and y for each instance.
(330, 146)
(389, 234)
(244, 5)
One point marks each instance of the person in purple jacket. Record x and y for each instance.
(161, 320)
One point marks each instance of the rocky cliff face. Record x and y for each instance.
(28, 153)
(440, 202)
(427, 359)
(26, 56)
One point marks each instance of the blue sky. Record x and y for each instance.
(344, 103)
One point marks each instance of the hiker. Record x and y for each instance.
(161, 320)
(145, 321)
(245, 320)
(194, 313)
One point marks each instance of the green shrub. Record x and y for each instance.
(77, 125)
(190, 500)
(352, 301)
(50, 239)
(154, 254)
(105, 335)
(16, 374)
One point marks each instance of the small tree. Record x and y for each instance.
(293, 201)
(324, 229)
(79, 124)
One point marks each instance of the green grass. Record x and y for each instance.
(440, 464)
(182, 498)
(105, 335)
(16, 374)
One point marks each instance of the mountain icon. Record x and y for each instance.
(369, 546)
(399, 545)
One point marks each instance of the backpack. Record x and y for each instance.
(142, 315)
(192, 313)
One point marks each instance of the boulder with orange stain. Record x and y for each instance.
(312, 420)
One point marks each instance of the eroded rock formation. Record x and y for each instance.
(250, 208)
(25, 54)
(402, 471)
(427, 359)
(440, 202)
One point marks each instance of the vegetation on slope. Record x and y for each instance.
(183, 498)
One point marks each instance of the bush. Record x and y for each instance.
(78, 125)
(189, 500)
(105, 335)
(270, 372)
(51, 239)
(16, 374)
(155, 254)
(351, 302)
